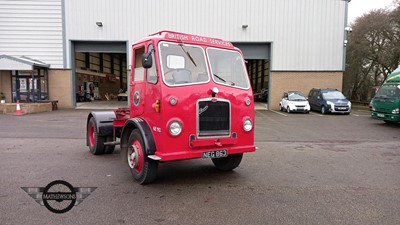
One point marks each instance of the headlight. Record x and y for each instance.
(247, 101)
(175, 128)
(349, 104)
(396, 111)
(247, 125)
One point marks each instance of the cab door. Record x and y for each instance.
(137, 83)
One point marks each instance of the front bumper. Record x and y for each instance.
(385, 116)
(299, 109)
(340, 109)
(193, 154)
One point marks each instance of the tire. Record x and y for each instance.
(228, 163)
(323, 110)
(143, 169)
(288, 109)
(280, 108)
(109, 149)
(96, 142)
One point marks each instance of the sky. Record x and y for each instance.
(359, 7)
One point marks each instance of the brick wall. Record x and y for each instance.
(301, 81)
(60, 87)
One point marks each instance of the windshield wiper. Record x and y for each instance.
(233, 84)
(188, 55)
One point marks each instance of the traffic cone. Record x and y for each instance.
(18, 111)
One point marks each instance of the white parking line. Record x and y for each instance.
(278, 112)
(362, 110)
(316, 114)
(353, 114)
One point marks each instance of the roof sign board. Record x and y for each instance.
(175, 36)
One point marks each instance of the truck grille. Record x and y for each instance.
(383, 110)
(340, 104)
(213, 118)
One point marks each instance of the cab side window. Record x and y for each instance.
(138, 70)
(152, 71)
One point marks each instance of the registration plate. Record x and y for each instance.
(342, 108)
(215, 154)
(380, 115)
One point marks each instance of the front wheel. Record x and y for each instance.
(228, 163)
(143, 169)
(323, 110)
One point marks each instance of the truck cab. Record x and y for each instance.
(386, 103)
(190, 97)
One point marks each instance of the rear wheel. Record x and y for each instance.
(143, 169)
(96, 142)
(280, 107)
(228, 163)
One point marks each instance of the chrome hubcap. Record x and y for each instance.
(133, 156)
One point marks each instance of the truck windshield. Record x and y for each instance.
(182, 64)
(228, 67)
(388, 91)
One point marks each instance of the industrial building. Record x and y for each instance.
(74, 51)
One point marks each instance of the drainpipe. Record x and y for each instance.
(345, 35)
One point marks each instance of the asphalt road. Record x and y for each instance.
(309, 169)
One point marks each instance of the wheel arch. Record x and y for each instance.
(145, 131)
(104, 123)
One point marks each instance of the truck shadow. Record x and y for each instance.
(195, 171)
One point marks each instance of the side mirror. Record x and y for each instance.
(147, 60)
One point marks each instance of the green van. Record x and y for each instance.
(386, 103)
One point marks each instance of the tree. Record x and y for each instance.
(373, 52)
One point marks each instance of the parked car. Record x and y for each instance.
(328, 101)
(294, 101)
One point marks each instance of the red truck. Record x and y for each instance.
(190, 97)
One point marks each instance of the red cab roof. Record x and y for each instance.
(191, 39)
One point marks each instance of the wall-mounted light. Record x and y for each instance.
(244, 26)
(99, 24)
